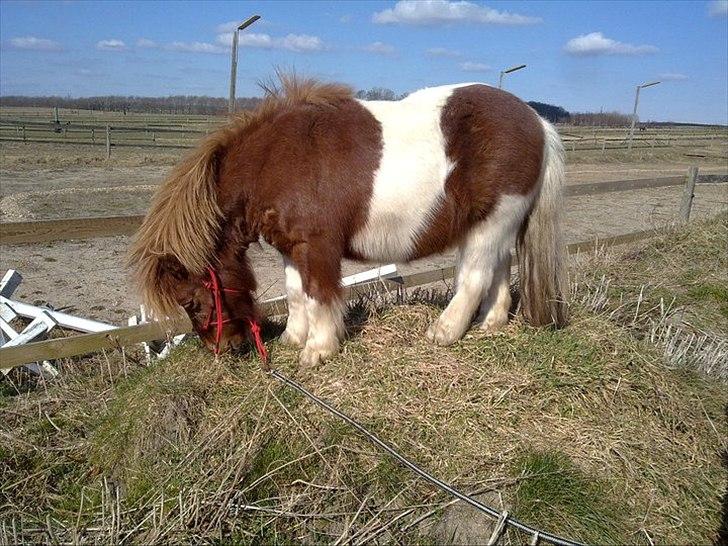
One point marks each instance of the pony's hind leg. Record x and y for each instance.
(296, 331)
(481, 258)
(496, 301)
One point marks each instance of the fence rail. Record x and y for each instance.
(45, 231)
(145, 135)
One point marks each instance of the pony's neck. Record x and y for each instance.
(234, 267)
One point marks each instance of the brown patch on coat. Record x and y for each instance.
(303, 181)
(496, 142)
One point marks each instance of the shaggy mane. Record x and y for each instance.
(184, 218)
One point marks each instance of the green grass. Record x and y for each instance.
(583, 432)
(554, 490)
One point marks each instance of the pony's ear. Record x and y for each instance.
(171, 266)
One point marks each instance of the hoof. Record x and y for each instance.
(311, 357)
(494, 322)
(442, 334)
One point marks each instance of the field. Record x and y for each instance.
(604, 432)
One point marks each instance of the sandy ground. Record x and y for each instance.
(88, 277)
(75, 192)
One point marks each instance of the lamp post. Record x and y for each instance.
(234, 60)
(508, 71)
(634, 113)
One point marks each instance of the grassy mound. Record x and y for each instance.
(584, 432)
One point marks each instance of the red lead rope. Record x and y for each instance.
(216, 289)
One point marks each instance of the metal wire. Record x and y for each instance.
(493, 513)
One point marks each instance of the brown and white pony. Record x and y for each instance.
(322, 176)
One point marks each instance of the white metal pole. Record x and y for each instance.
(234, 60)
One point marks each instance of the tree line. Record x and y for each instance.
(205, 105)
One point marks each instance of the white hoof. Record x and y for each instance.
(494, 321)
(293, 338)
(443, 332)
(311, 357)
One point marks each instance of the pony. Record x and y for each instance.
(322, 176)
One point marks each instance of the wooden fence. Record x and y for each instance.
(150, 135)
(88, 343)
(108, 226)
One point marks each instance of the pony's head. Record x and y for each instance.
(219, 303)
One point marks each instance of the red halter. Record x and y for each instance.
(216, 289)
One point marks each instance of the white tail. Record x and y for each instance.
(540, 250)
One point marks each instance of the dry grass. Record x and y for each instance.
(714, 152)
(583, 432)
(670, 290)
(34, 155)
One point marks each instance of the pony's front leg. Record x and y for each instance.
(320, 270)
(296, 332)
(325, 329)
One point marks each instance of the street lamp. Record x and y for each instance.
(508, 71)
(234, 60)
(634, 113)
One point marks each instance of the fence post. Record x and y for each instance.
(93, 135)
(23, 133)
(604, 146)
(108, 142)
(688, 193)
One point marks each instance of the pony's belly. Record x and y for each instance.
(396, 221)
(386, 238)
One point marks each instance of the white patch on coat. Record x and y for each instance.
(296, 332)
(485, 248)
(410, 180)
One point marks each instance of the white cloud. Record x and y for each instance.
(595, 43)
(346, 18)
(31, 43)
(291, 42)
(443, 52)
(672, 77)
(718, 8)
(224, 38)
(468, 66)
(379, 48)
(196, 47)
(301, 42)
(146, 43)
(434, 12)
(111, 45)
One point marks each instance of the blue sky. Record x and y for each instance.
(580, 55)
